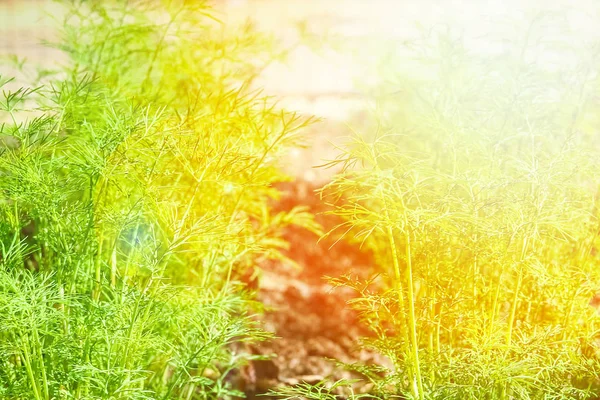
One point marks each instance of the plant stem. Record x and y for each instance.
(417, 386)
(515, 300)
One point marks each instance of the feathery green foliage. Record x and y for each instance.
(477, 193)
(132, 204)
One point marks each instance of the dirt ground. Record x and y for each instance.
(310, 318)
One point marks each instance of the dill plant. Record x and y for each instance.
(476, 189)
(134, 183)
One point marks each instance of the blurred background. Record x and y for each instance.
(341, 54)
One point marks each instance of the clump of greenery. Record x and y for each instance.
(477, 192)
(132, 201)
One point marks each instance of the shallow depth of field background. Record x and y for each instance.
(338, 58)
